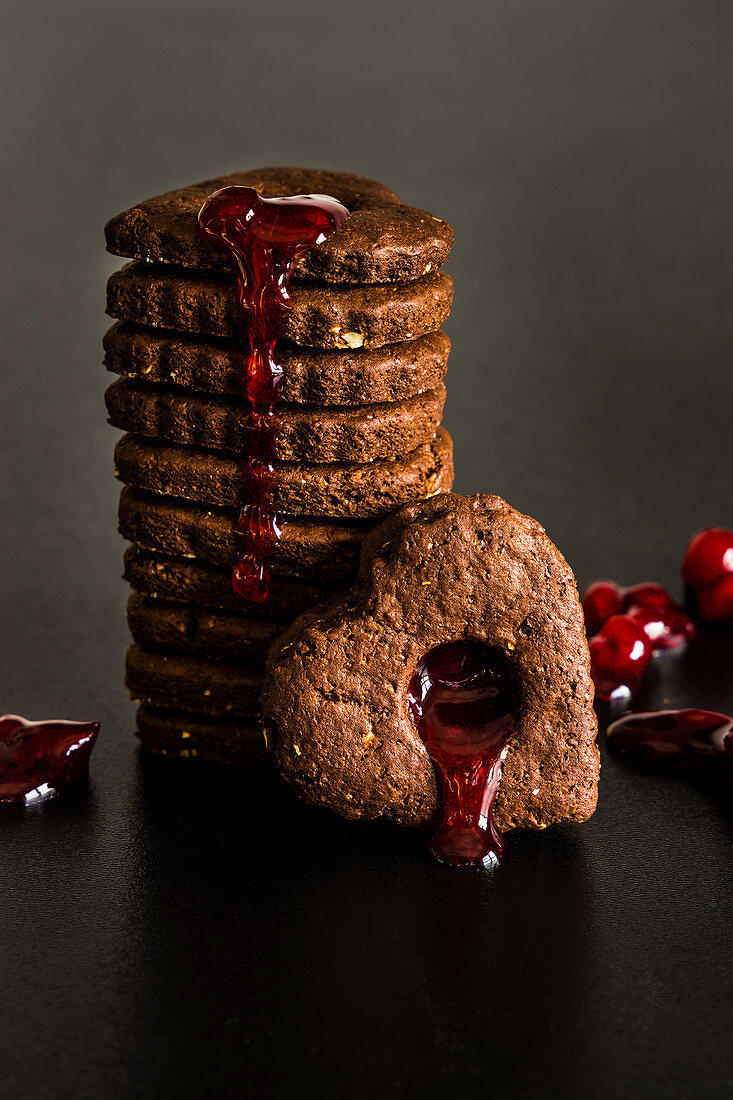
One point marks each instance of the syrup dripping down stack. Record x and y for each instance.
(357, 435)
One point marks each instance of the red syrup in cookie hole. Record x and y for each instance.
(463, 700)
(700, 738)
(265, 237)
(39, 759)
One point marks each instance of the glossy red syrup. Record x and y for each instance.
(265, 237)
(463, 701)
(698, 737)
(708, 570)
(42, 757)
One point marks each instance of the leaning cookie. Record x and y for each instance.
(335, 704)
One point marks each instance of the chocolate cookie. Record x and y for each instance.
(181, 733)
(382, 240)
(359, 376)
(323, 549)
(193, 683)
(358, 491)
(186, 581)
(319, 316)
(354, 434)
(335, 698)
(187, 628)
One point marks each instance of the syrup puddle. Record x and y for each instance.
(41, 759)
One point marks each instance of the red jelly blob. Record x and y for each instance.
(700, 737)
(265, 238)
(601, 600)
(620, 654)
(464, 701)
(708, 570)
(42, 757)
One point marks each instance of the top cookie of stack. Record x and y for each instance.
(363, 359)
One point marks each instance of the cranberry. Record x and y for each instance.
(670, 628)
(708, 570)
(620, 655)
(665, 623)
(715, 601)
(601, 600)
(650, 595)
(709, 557)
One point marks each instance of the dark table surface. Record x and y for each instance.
(178, 931)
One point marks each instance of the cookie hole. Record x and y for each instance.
(464, 699)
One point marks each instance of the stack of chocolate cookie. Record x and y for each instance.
(359, 435)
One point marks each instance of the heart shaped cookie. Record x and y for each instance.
(337, 700)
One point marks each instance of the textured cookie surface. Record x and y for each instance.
(186, 581)
(324, 549)
(356, 434)
(341, 490)
(188, 628)
(348, 376)
(334, 702)
(182, 733)
(382, 241)
(320, 316)
(193, 683)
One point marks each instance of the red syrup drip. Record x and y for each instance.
(463, 700)
(42, 757)
(265, 237)
(696, 737)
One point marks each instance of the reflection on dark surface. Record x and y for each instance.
(352, 945)
(699, 676)
(371, 939)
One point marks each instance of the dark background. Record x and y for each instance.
(183, 932)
